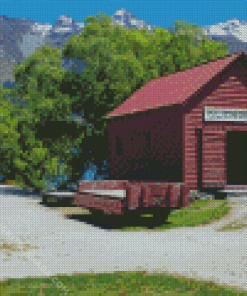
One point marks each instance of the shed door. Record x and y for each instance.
(237, 157)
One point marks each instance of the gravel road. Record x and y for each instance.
(40, 242)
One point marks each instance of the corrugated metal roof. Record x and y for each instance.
(173, 88)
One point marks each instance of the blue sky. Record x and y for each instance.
(160, 13)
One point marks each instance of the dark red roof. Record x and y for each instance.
(173, 88)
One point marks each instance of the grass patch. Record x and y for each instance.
(117, 283)
(198, 213)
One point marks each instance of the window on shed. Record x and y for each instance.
(119, 146)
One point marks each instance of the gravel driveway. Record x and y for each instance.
(48, 244)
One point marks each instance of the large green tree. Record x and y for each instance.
(118, 62)
(23, 157)
(198, 48)
(39, 153)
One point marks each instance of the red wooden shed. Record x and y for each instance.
(189, 126)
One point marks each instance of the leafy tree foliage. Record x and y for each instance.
(197, 46)
(118, 62)
(23, 158)
(36, 80)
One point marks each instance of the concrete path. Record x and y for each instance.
(40, 242)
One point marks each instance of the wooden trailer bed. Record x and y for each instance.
(117, 197)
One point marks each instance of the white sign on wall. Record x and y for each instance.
(214, 114)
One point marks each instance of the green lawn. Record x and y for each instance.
(132, 283)
(121, 283)
(199, 212)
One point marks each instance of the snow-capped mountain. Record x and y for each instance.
(65, 27)
(11, 32)
(234, 28)
(233, 33)
(62, 30)
(23, 36)
(44, 33)
(128, 20)
(20, 37)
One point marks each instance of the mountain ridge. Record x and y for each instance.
(29, 35)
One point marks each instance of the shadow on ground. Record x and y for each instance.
(129, 219)
(98, 218)
(132, 218)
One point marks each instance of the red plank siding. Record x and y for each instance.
(230, 94)
(173, 115)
